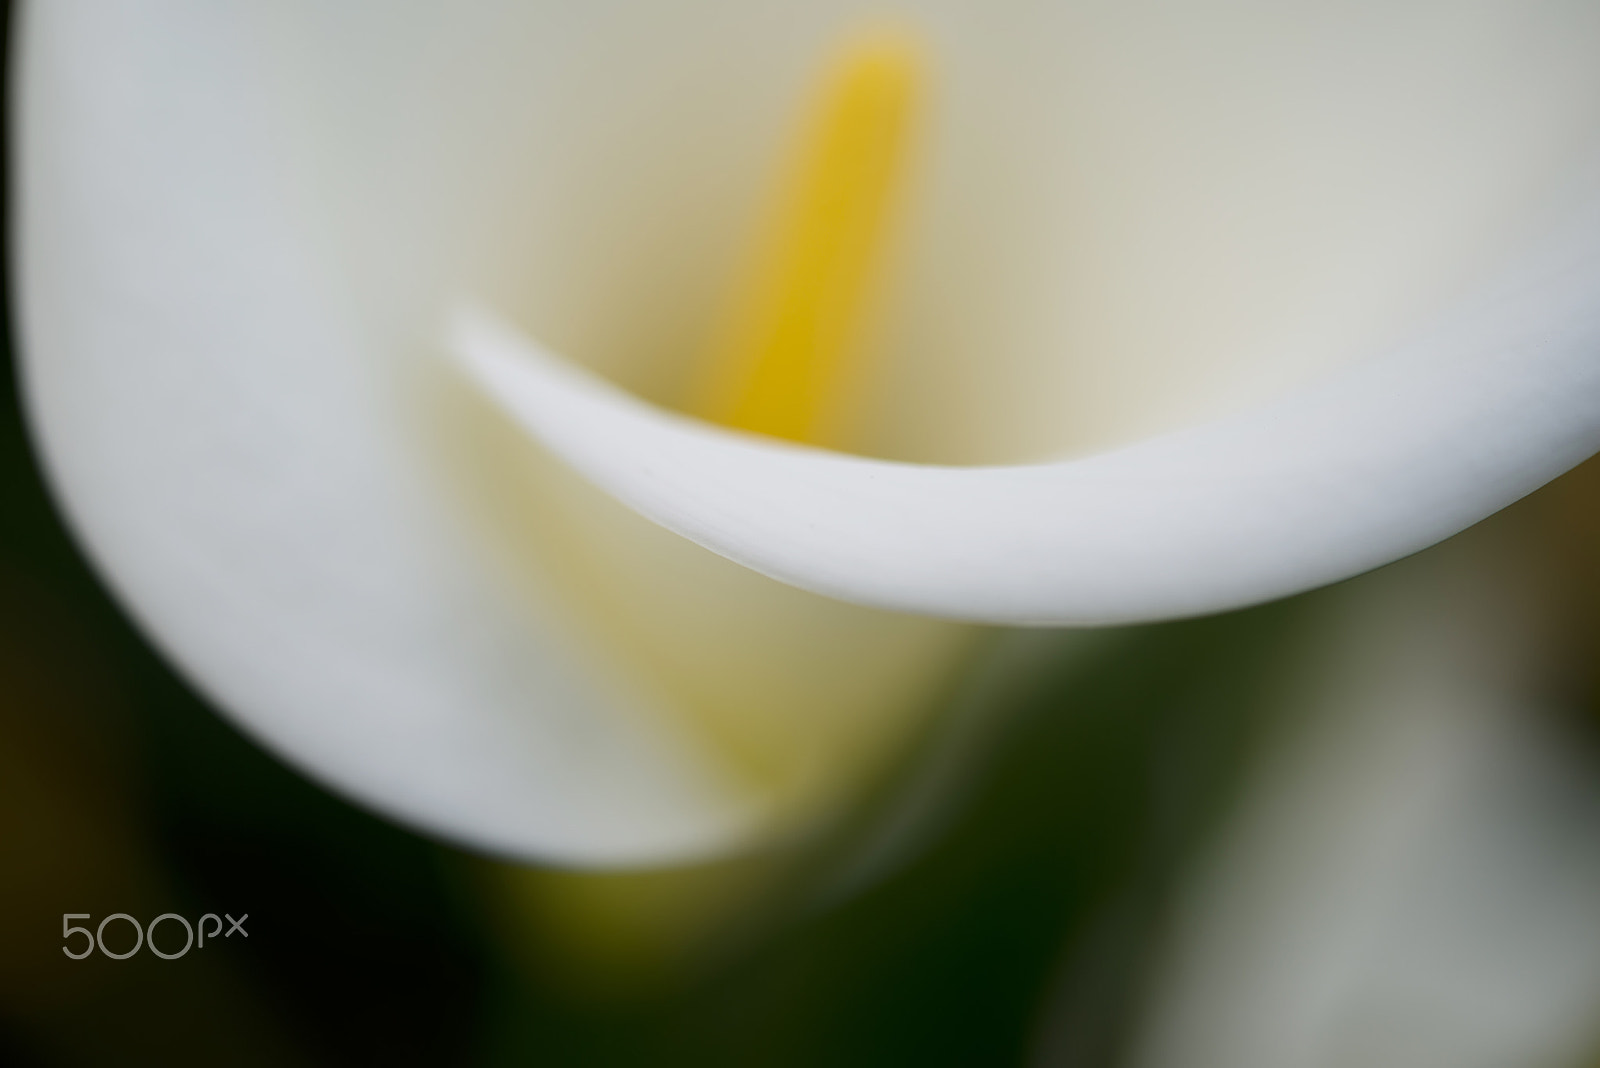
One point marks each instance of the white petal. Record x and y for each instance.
(236, 447)
(1413, 880)
(1352, 471)
(220, 305)
(232, 225)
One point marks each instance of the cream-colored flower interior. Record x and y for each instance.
(1123, 218)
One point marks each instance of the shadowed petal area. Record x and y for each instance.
(1351, 471)
(1413, 876)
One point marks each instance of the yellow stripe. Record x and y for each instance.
(789, 341)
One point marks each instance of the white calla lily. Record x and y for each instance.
(241, 232)
(303, 517)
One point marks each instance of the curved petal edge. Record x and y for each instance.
(1353, 471)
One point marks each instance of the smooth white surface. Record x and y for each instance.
(238, 229)
(236, 232)
(232, 442)
(1346, 473)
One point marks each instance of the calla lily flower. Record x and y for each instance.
(1213, 305)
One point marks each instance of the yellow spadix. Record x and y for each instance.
(790, 339)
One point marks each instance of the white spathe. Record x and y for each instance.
(1345, 474)
(241, 229)
(294, 500)
(1408, 434)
